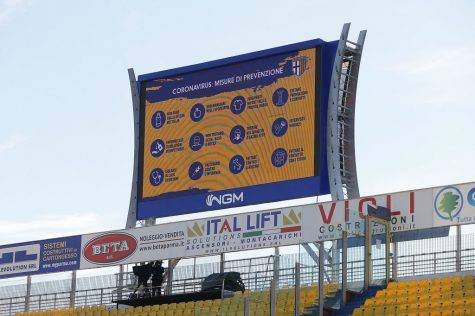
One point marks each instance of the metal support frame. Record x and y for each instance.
(72, 295)
(134, 89)
(121, 282)
(132, 213)
(341, 158)
(316, 257)
(335, 261)
(194, 267)
(341, 117)
(169, 276)
(272, 298)
(321, 299)
(247, 307)
(395, 257)
(458, 249)
(276, 266)
(388, 252)
(326, 254)
(28, 293)
(367, 253)
(344, 267)
(368, 262)
(222, 261)
(297, 289)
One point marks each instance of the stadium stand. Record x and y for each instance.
(259, 305)
(437, 296)
(419, 259)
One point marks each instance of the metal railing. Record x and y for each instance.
(257, 278)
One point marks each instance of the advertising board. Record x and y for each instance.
(415, 210)
(39, 257)
(280, 227)
(410, 211)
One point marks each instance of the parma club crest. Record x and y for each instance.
(299, 65)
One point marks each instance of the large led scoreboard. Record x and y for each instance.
(243, 130)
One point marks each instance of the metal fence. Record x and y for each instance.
(257, 274)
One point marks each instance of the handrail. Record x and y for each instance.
(408, 265)
(266, 272)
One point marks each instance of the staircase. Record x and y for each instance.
(355, 300)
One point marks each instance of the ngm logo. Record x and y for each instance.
(224, 199)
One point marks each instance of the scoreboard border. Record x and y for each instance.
(316, 185)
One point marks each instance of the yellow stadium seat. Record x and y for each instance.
(412, 299)
(423, 282)
(446, 280)
(369, 303)
(358, 312)
(447, 304)
(469, 292)
(392, 293)
(380, 294)
(459, 303)
(392, 285)
(401, 309)
(413, 290)
(424, 290)
(399, 300)
(379, 311)
(413, 284)
(435, 282)
(457, 287)
(401, 292)
(459, 312)
(468, 277)
(446, 288)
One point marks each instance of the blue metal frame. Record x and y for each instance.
(270, 192)
(231, 60)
